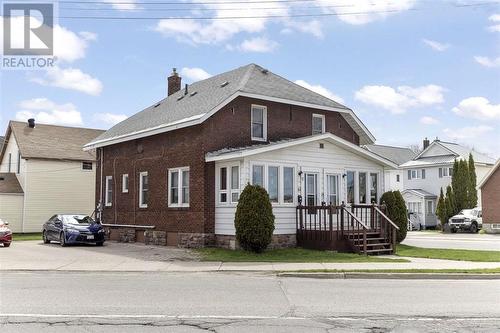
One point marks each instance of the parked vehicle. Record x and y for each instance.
(5, 234)
(71, 229)
(467, 219)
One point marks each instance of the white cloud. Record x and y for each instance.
(312, 27)
(469, 132)
(70, 78)
(320, 90)
(478, 108)
(87, 35)
(194, 74)
(258, 44)
(402, 98)
(47, 112)
(487, 62)
(495, 18)
(123, 4)
(109, 119)
(427, 120)
(437, 46)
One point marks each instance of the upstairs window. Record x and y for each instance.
(143, 189)
(318, 123)
(445, 172)
(125, 183)
(416, 174)
(178, 187)
(108, 199)
(87, 166)
(259, 123)
(397, 178)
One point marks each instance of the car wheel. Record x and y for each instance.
(45, 239)
(62, 239)
(6, 244)
(473, 228)
(99, 243)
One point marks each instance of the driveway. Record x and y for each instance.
(453, 241)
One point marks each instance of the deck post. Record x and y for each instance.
(364, 242)
(341, 221)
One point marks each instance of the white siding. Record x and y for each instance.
(11, 210)
(305, 157)
(13, 149)
(436, 150)
(391, 183)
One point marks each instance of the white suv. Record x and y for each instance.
(467, 219)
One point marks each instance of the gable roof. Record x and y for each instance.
(420, 193)
(232, 153)
(489, 174)
(456, 151)
(9, 183)
(51, 141)
(206, 97)
(397, 155)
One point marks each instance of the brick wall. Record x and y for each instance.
(490, 199)
(230, 127)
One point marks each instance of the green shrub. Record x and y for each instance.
(254, 219)
(396, 211)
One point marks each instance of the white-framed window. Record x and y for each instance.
(318, 123)
(273, 183)
(415, 207)
(416, 174)
(278, 180)
(311, 188)
(430, 207)
(332, 189)
(258, 175)
(228, 184)
(108, 194)
(362, 187)
(125, 183)
(259, 123)
(445, 172)
(397, 178)
(373, 185)
(178, 187)
(350, 186)
(143, 189)
(288, 185)
(87, 166)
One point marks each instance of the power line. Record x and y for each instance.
(183, 3)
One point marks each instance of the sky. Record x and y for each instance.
(408, 68)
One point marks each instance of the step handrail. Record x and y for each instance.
(385, 216)
(356, 218)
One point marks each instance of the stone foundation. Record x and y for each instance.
(195, 240)
(123, 235)
(278, 241)
(155, 237)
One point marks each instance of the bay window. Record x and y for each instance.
(178, 187)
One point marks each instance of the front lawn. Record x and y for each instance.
(287, 255)
(27, 236)
(450, 254)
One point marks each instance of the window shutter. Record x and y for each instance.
(423, 173)
(440, 172)
(409, 174)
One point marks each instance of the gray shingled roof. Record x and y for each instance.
(398, 155)
(421, 193)
(52, 142)
(463, 152)
(211, 93)
(9, 183)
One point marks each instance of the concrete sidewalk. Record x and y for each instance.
(116, 257)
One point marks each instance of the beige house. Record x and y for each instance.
(44, 171)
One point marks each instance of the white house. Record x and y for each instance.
(431, 170)
(44, 171)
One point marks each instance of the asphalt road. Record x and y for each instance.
(223, 302)
(464, 240)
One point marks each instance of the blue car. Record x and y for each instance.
(73, 229)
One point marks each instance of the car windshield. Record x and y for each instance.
(77, 219)
(465, 212)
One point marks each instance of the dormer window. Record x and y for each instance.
(318, 123)
(259, 123)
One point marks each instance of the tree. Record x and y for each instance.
(460, 185)
(472, 191)
(254, 219)
(441, 209)
(396, 211)
(451, 208)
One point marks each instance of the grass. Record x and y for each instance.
(27, 236)
(414, 270)
(449, 254)
(286, 255)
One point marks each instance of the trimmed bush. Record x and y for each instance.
(396, 211)
(254, 220)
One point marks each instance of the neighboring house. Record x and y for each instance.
(44, 171)
(397, 155)
(431, 170)
(490, 199)
(180, 165)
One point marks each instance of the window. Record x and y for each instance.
(108, 200)
(415, 207)
(125, 183)
(258, 175)
(178, 187)
(318, 123)
(19, 161)
(416, 174)
(10, 162)
(143, 189)
(350, 186)
(259, 123)
(430, 207)
(397, 178)
(272, 183)
(445, 172)
(311, 189)
(373, 188)
(332, 190)
(228, 175)
(288, 175)
(223, 185)
(235, 183)
(362, 187)
(87, 166)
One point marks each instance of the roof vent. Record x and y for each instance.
(180, 97)
(264, 70)
(157, 105)
(186, 91)
(193, 93)
(31, 123)
(223, 84)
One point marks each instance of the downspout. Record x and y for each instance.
(101, 150)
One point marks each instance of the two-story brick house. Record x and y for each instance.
(430, 171)
(180, 165)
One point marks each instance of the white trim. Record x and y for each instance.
(106, 198)
(141, 204)
(229, 191)
(280, 145)
(265, 180)
(489, 174)
(323, 123)
(264, 122)
(198, 119)
(180, 190)
(125, 190)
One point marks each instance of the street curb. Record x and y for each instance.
(393, 276)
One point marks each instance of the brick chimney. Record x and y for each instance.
(174, 82)
(426, 143)
(31, 123)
